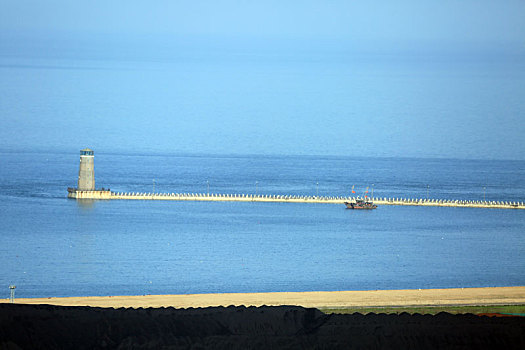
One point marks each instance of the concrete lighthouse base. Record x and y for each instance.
(96, 194)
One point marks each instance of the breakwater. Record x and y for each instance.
(215, 197)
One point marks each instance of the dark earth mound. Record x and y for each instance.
(289, 327)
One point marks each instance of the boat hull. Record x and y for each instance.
(359, 206)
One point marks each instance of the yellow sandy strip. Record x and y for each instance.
(431, 297)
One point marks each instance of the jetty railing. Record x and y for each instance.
(239, 197)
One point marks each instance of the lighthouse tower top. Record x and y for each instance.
(87, 152)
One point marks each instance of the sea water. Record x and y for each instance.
(54, 246)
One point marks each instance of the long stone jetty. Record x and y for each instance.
(86, 190)
(216, 197)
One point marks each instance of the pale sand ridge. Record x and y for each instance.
(380, 298)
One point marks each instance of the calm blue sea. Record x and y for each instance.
(53, 246)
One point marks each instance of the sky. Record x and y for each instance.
(445, 22)
(376, 78)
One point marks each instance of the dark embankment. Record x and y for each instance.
(56, 327)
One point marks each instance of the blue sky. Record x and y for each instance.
(381, 78)
(474, 22)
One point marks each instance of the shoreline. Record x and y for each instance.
(334, 300)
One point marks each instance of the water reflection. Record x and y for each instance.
(86, 204)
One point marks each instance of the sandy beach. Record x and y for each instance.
(340, 299)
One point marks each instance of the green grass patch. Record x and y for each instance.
(431, 310)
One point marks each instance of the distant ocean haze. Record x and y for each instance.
(296, 102)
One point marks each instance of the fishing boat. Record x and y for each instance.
(360, 204)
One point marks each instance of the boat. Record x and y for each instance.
(360, 204)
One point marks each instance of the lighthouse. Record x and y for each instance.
(86, 171)
(86, 179)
